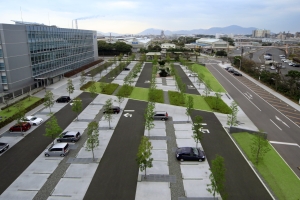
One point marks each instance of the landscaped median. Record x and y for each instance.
(276, 173)
(208, 78)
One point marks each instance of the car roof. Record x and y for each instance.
(59, 145)
(185, 149)
(70, 132)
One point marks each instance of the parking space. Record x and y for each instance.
(145, 76)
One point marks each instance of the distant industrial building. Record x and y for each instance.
(34, 55)
(135, 42)
(213, 44)
(259, 33)
(167, 46)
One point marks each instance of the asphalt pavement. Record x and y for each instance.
(18, 158)
(241, 181)
(117, 173)
(145, 76)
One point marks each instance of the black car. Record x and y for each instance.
(114, 109)
(190, 154)
(296, 65)
(237, 73)
(3, 147)
(126, 69)
(227, 68)
(231, 70)
(63, 99)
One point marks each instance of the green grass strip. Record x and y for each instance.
(199, 102)
(139, 93)
(209, 79)
(217, 104)
(280, 178)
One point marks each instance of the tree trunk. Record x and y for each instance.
(93, 154)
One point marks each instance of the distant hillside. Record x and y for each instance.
(233, 29)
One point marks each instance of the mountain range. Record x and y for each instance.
(233, 29)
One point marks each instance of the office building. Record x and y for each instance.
(261, 33)
(34, 55)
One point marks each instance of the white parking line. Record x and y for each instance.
(285, 143)
(276, 125)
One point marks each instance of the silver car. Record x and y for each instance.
(69, 136)
(59, 149)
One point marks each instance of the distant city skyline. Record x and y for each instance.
(132, 17)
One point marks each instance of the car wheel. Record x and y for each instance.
(200, 160)
(115, 112)
(181, 160)
(23, 130)
(47, 155)
(62, 155)
(10, 131)
(34, 124)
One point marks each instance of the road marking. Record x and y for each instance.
(286, 143)
(128, 115)
(281, 121)
(276, 125)
(128, 110)
(237, 89)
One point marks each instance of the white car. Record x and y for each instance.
(33, 120)
(286, 61)
(272, 67)
(291, 64)
(193, 75)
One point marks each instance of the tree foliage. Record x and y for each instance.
(70, 86)
(232, 117)
(77, 106)
(108, 111)
(217, 177)
(144, 159)
(197, 129)
(259, 146)
(149, 113)
(49, 100)
(189, 106)
(53, 130)
(92, 137)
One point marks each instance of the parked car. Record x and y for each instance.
(190, 154)
(21, 127)
(291, 64)
(231, 70)
(236, 73)
(114, 109)
(63, 99)
(297, 65)
(126, 69)
(3, 147)
(226, 68)
(272, 67)
(69, 136)
(34, 121)
(192, 74)
(59, 149)
(160, 115)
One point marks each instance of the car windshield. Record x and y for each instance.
(195, 151)
(33, 118)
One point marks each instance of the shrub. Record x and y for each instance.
(176, 98)
(86, 86)
(125, 91)
(110, 88)
(156, 95)
(222, 107)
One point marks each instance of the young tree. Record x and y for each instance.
(217, 177)
(232, 117)
(70, 86)
(52, 128)
(77, 106)
(197, 129)
(218, 99)
(144, 159)
(93, 90)
(82, 79)
(189, 106)
(259, 146)
(149, 113)
(7, 100)
(207, 88)
(49, 100)
(108, 111)
(121, 98)
(20, 112)
(92, 137)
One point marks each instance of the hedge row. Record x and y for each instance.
(217, 104)
(156, 95)
(80, 69)
(176, 98)
(125, 91)
(109, 88)
(29, 108)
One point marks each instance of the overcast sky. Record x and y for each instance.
(137, 15)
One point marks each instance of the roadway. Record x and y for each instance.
(283, 132)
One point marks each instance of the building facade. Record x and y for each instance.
(261, 33)
(212, 44)
(34, 55)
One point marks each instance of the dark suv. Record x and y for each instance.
(63, 99)
(114, 109)
(190, 154)
(69, 136)
(160, 115)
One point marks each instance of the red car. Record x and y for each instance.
(22, 127)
